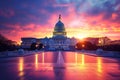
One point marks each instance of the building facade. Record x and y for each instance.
(59, 40)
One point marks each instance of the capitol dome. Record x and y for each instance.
(59, 28)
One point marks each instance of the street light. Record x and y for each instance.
(83, 45)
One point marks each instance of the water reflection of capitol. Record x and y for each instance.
(59, 40)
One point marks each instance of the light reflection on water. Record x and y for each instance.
(36, 61)
(21, 64)
(83, 60)
(99, 64)
(76, 58)
(79, 61)
(82, 64)
(21, 68)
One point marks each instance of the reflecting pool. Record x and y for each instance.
(59, 65)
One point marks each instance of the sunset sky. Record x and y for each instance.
(82, 18)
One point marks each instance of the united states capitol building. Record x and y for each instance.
(59, 40)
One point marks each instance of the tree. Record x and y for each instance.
(86, 45)
(6, 44)
(33, 46)
(40, 46)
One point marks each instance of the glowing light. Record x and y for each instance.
(83, 59)
(21, 63)
(43, 58)
(99, 64)
(36, 61)
(76, 58)
(99, 41)
(19, 42)
(36, 45)
(21, 68)
(81, 36)
(83, 45)
(82, 65)
(21, 74)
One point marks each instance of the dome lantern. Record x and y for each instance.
(59, 17)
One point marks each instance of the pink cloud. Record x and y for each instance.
(76, 25)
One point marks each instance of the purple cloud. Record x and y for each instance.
(15, 14)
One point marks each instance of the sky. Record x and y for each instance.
(82, 18)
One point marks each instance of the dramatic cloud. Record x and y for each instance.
(36, 18)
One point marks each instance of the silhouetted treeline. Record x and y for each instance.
(113, 47)
(35, 46)
(85, 45)
(89, 46)
(6, 44)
